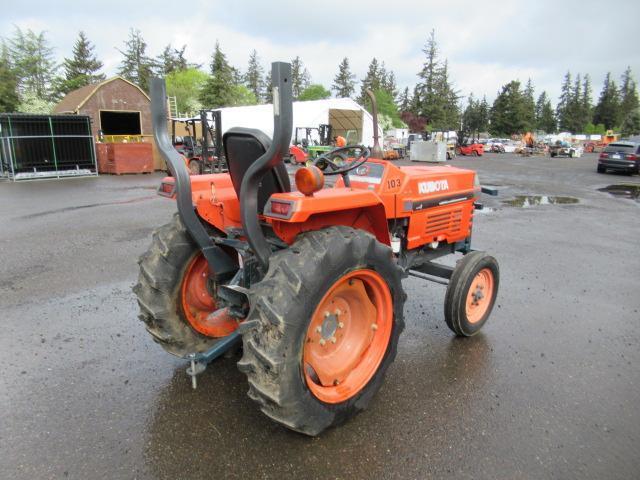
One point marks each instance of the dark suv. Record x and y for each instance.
(622, 156)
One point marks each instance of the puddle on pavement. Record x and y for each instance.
(623, 190)
(526, 201)
(484, 210)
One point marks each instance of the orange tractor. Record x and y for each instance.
(309, 279)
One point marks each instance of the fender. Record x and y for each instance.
(293, 213)
(213, 197)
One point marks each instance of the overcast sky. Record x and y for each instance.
(487, 43)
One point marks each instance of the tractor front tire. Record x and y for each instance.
(471, 293)
(301, 311)
(162, 271)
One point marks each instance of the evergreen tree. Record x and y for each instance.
(607, 110)
(268, 91)
(371, 81)
(136, 66)
(33, 63)
(344, 81)
(586, 109)
(631, 124)
(404, 103)
(628, 96)
(389, 85)
(508, 114)
(300, 78)
(451, 110)
(82, 68)
(435, 99)
(9, 99)
(545, 118)
(415, 100)
(219, 90)
(529, 106)
(173, 60)
(425, 96)
(253, 79)
(574, 121)
(475, 118)
(564, 103)
(483, 115)
(471, 116)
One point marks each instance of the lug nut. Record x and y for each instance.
(336, 383)
(322, 342)
(340, 324)
(338, 312)
(374, 326)
(319, 329)
(327, 314)
(333, 339)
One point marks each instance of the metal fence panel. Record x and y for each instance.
(40, 146)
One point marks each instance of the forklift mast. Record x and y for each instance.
(211, 131)
(324, 129)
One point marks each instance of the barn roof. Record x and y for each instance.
(75, 99)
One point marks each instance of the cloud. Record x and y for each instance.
(487, 44)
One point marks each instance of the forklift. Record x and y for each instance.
(304, 138)
(202, 154)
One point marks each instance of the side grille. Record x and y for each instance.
(449, 222)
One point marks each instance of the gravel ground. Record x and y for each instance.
(549, 389)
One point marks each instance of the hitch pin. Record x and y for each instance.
(191, 371)
(194, 381)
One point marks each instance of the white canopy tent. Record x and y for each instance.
(343, 114)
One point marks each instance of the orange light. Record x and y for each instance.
(309, 180)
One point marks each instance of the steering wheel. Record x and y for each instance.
(323, 161)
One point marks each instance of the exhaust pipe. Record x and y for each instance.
(376, 151)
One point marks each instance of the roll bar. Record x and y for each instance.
(219, 262)
(282, 127)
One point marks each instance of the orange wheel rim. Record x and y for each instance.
(348, 336)
(480, 295)
(199, 307)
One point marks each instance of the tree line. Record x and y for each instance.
(515, 111)
(32, 81)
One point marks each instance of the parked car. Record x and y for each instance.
(509, 147)
(560, 148)
(621, 156)
(474, 149)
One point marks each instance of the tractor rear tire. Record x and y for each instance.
(162, 269)
(471, 293)
(277, 333)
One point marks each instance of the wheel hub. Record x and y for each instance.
(479, 295)
(199, 306)
(329, 325)
(348, 336)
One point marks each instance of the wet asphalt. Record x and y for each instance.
(549, 389)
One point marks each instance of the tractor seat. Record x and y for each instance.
(242, 147)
